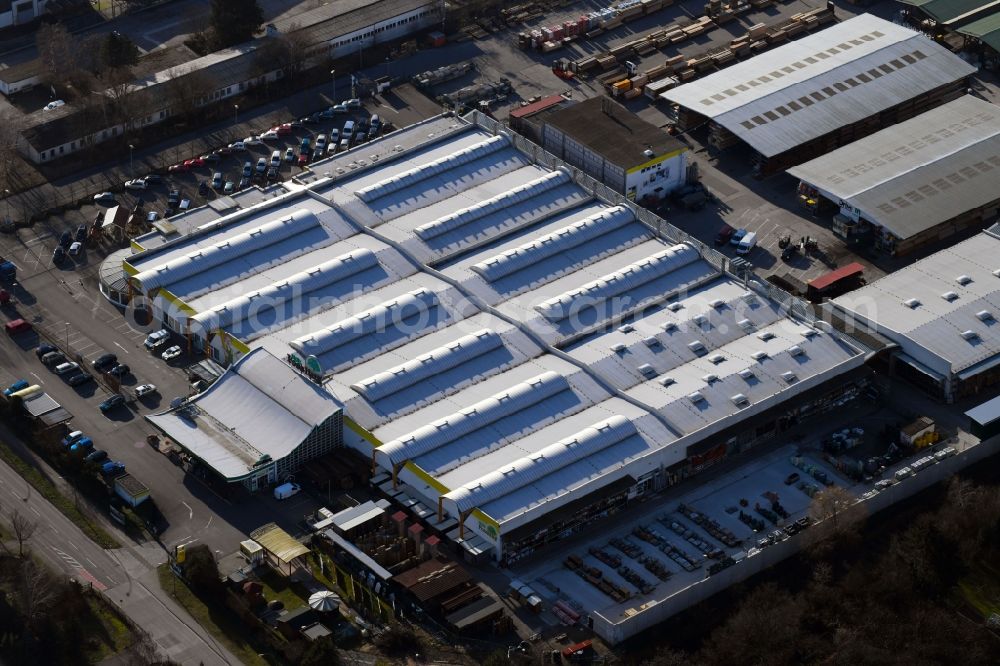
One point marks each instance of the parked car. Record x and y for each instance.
(82, 445)
(252, 141)
(244, 183)
(75, 248)
(117, 400)
(156, 338)
(67, 367)
(791, 478)
(247, 169)
(113, 468)
(71, 437)
(373, 134)
(269, 135)
(210, 158)
(305, 143)
(339, 108)
(54, 104)
(345, 144)
(96, 456)
(225, 150)
(276, 158)
(238, 145)
(44, 349)
(354, 103)
(334, 136)
(79, 379)
(58, 255)
(283, 130)
(273, 173)
(290, 155)
(144, 389)
(120, 370)
(153, 178)
(104, 361)
(65, 238)
(216, 180)
(229, 187)
(135, 184)
(53, 358)
(81, 233)
(262, 165)
(303, 160)
(171, 353)
(179, 168)
(203, 188)
(737, 236)
(15, 387)
(173, 197)
(286, 490)
(197, 162)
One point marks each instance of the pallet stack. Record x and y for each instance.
(720, 138)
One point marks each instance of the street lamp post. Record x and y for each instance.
(333, 75)
(6, 196)
(236, 113)
(67, 337)
(131, 169)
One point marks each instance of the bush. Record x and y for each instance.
(399, 641)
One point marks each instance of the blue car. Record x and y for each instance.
(15, 387)
(82, 444)
(72, 437)
(112, 467)
(96, 456)
(114, 401)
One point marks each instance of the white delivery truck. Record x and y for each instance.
(286, 490)
(747, 243)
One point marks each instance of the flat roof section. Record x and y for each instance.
(813, 86)
(919, 173)
(611, 130)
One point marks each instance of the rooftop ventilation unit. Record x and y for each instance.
(670, 326)
(627, 328)
(963, 280)
(618, 349)
(949, 296)
(970, 335)
(789, 376)
(758, 355)
(745, 324)
(674, 307)
(717, 304)
(809, 333)
(747, 374)
(766, 335)
(647, 370)
(984, 315)
(668, 381)
(716, 358)
(911, 303)
(697, 347)
(701, 320)
(997, 272)
(740, 400)
(710, 379)
(651, 342)
(696, 397)
(795, 350)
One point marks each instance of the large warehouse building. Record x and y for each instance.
(942, 312)
(916, 182)
(513, 353)
(810, 96)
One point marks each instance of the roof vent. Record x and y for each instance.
(717, 304)
(984, 315)
(747, 374)
(716, 358)
(740, 400)
(745, 324)
(674, 307)
(668, 381)
(795, 350)
(710, 379)
(627, 328)
(700, 319)
(789, 376)
(697, 347)
(651, 342)
(647, 370)
(759, 355)
(618, 349)
(766, 335)
(963, 280)
(949, 296)
(970, 335)
(997, 272)
(809, 332)
(696, 397)
(670, 326)
(649, 153)
(911, 303)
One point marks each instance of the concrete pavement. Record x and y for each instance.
(126, 576)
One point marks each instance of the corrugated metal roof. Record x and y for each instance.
(986, 412)
(914, 175)
(807, 88)
(928, 307)
(278, 542)
(952, 12)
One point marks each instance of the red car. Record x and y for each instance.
(197, 162)
(303, 160)
(283, 130)
(180, 167)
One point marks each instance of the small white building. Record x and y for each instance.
(20, 11)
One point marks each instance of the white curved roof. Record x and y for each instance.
(296, 286)
(469, 215)
(531, 468)
(198, 261)
(553, 243)
(425, 171)
(428, 365)
(393, 313)
(482, 414)
(614, 284)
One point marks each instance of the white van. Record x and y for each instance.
(286, 490)
(747, 243)
(157, 338)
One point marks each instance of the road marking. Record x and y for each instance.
(111, 578)
(120, 347)
(209, 521)
(190, 510)
(91, 562)
(35, 511)
(54, 528)
(40, 380)
(37, 239)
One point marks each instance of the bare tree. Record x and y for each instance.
(838, 516)
(185, 90)
(36, 591)
(57, 49)
(11, 140)
(142, 652)
(24, 528)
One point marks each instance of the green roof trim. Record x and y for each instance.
(986, 30)
(953, 11)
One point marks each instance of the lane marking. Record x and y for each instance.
(190, 510)
(122, 348)
(40, 380)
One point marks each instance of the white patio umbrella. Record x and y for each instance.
(324, 600)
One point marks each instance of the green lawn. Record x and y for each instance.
(278, 587)
(218, 621)
(45, 488)
(107, 633)
(981, 590)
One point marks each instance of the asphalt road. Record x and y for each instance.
(126, 576)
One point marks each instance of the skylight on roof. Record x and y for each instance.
(695, 397)
(970, 335)
(795, 350)
(647, 370)
(627, 328)
(949, 296)
(710, 379)
(766, 335)
(716, 358)
(670, 326)
(809, 333)
(740, 400)
(984, 315)
(963, 280)
(789, 376)
(674, 307)
(619, 348)
(745, 324)
(668, 381)
(911, 303)
(759, 355)
(651, 341)
(717, 304)
(747, 374)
